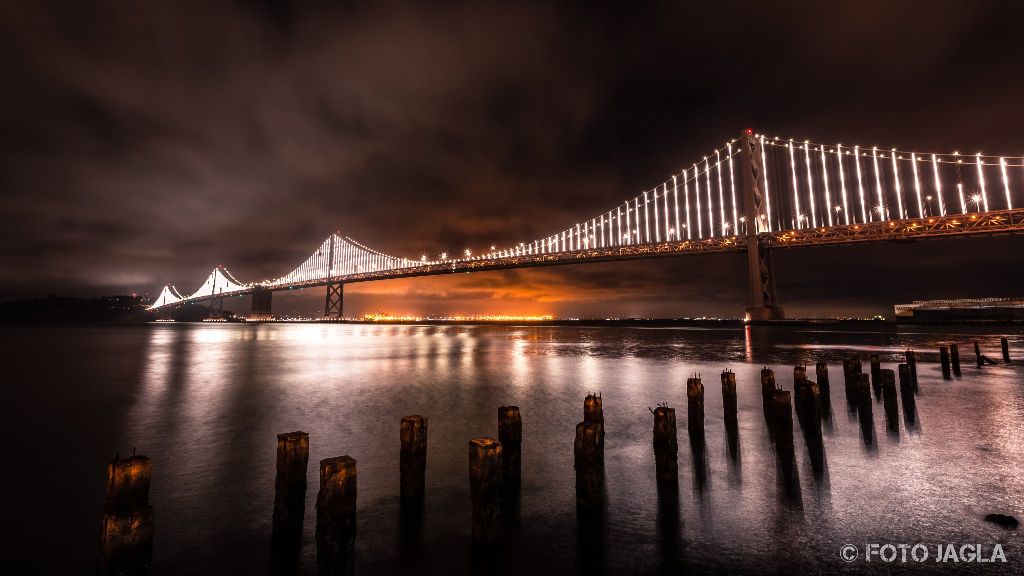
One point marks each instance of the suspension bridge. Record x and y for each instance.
(754, 195)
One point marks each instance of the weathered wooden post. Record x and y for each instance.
(954, 358)
(1004, 345)
(695, 406)
(485, 487)
(413, 458)
(907, 391)
(944, 361)
(729, 402)
(666, 445)
(336, 516)
(781, 422)
(821, 372)
(906, 378)
(588, 453)
(807, 395)
(126, 540)
(695, 427)
(799, 373)
(730, 412)
(851, 369)
(510, 435)
(593, 412)
(982, 359)
(593, 409)
(862, 400)
(767, 387)
(290, 489)
(891, 400)
(912, 364)
(876, 369)
(824, 391)
(808, 411)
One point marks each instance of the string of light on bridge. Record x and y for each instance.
(803, 184)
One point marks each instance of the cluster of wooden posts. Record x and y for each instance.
(949, 358)
(495, 464)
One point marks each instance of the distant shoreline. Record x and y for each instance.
(131, 310)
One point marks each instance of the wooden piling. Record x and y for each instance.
(821, 372)
(589, 464)
(954, 358)
(666, 445)
(824, 392)
(851, 370)
(862, 390)
(510, 435)
(1004, 345)
(912, 364)
(981, 358)
(781, 418)
(695, 405)
(851, 367)
(767, 387)
(593, 409)
(781, 426)
(944, 361)
(413, 459)
(806, 392)
(485, 487)
(890, 399)
(730, 414)
(907, 391)
(126, 538)
(799, 372)
(862, 402)
(729, 402)
(809, 413)
(336, 516)
(876, 370)
(906, 377)
(290, 488)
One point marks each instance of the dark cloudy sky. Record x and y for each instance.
(143, 143)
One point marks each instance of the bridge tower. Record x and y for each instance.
(216, 309)
(763, 303)
(334, 304)
(261, 304)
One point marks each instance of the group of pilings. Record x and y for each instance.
(859, 387)
(495, 468)
(949, 358)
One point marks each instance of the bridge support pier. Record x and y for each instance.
(216, 308)
(334, 304)
(763, 303)
(261, 304)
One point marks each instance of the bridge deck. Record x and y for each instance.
(978, 224)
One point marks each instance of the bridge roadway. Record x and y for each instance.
(974, 224)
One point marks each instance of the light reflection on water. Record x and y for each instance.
(209, 400)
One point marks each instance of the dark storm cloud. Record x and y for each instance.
(144, 143)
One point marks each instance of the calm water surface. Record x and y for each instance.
(206, 401)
